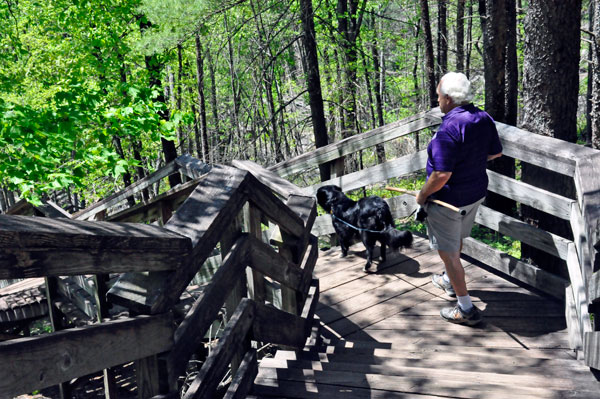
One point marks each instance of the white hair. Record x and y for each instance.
(456, 86)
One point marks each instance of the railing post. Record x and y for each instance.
(256, 280)
(230, 235)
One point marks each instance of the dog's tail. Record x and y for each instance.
(398, 238)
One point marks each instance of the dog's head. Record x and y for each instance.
(327, 196)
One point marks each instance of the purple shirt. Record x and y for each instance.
(461, 145)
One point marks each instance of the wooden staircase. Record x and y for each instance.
(369, 369)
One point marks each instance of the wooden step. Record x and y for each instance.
(427, 381)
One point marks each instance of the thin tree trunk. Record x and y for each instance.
(469, 38)
(595, 108)
(183, 142)
(590, 80)
(512, 66)
(460, 36)
(201, 101)
(234, 88)
(136, 147)
(442, 40)
(429, 60)
(313, 82)
(377, 88)
(214, 109)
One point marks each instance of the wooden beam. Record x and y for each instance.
(136, 187)
(191, 331)
(527, 194)
(192, 167)
(215, 366)
(591, 349)
(587, 184)
(579, 290)
(375, 174)
(546, 152)
(279, 327)
(214, 203)
(355, 143)
(541, 239)
(269, 178)
(529, 274)
(242, 382)
(46, 360)
(594, 288)
(150, 211)
(272, 207)
(574, 334)
(272, 264)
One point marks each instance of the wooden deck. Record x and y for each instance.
(382, 336)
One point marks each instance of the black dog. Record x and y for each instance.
(371, 217)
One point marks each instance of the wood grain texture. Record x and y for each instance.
(244, 378)
(49, 359)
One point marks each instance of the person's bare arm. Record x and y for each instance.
(436, 181)
(490, 157)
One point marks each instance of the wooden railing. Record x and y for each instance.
(581, 291)
(223, 210)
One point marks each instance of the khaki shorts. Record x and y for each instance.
(446, 228)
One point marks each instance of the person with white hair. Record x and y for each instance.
(456, 174)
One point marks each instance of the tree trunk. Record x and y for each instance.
(590, 75)
(234, 88)
(153, 66)
(313, 81)
(595, 108)
(204, 149)
(494, 26)
(469, 39)
(550, 92)
(429, 60)
(460, 36)
(442, 39)
(512, 65)
(377, 88)
(136, 147)
(183, 142)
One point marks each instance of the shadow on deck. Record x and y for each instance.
(382, 336)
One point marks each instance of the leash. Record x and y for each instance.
(354, 227)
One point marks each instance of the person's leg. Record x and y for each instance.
(455, 271)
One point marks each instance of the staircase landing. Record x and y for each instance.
(381, 336)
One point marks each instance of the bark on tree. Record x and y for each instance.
(204, 149)
(429, 60)
(153, 66)
(590, 76)
(512, 65)
(460, 36)
(183, 143)
(212, 158)
(469, 39)
(313, 81)
(550, 92)
(442, 40)
(494, 24)
(595, 108)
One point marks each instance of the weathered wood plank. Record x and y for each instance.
(136, 187)
(594, 288)
(375, 174)
(199, 318)
(214, 368)
(541, 239)
(527, 194)
(529, 274)
(148, 212)
(244, 378)
(269, 178)
(591, 349)
(192, 167)
(273, 207)
(24, 232)
(49, 359)
(279, 327)
(579, 290)
(587, 184)
(572, 319)
(355, 143)
(546, 152)
(272, 264)
(214, 203)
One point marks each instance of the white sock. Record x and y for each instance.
(445, 277)
(465, 302)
